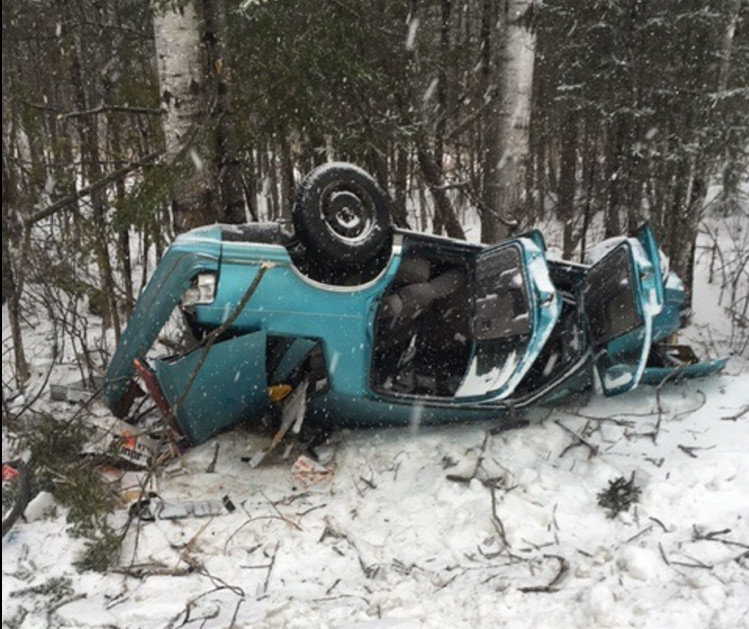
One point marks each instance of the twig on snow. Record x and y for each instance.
(497, 521)
(552, 585)
(236, 613)
(712, 536)
(188, 608)
(593, 449)
(674, 374)
(659, 523)
(687, 450)
(212, 465)
(457, 478)
(697, 564)
(663, 554)
(67, 601)
(280, 515)
(270, 567)
(143, 571)
(330, 531)
(732, 418)
(636, 535)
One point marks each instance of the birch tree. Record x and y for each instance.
(182, 93)
(505, 177)
(732, 171)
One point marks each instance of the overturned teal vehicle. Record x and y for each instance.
(351, 322)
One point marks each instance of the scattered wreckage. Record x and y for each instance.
(353, 322)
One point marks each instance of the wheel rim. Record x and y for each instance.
(348, 214)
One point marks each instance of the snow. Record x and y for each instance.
(477, 383)
(431, 527)
(406, 546)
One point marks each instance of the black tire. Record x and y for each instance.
(16, 492)
(341, 215)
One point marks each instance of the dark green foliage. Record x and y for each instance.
(56, 589)
(58, 466)
(103, 549)
(620, 495)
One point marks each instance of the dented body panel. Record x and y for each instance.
(445, 331)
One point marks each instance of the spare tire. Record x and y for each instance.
(341, 215)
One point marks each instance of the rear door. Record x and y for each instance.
(515, 309)
(623, 292)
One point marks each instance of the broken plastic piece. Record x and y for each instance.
(155, 508)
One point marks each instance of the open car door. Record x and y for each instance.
(515, 309)
(623, 293)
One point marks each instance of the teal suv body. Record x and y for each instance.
(351, 322)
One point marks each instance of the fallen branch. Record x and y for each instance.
(690, 449)
(112, 177)
(636, 535)
(659, 523)
(270, 567)
(67, 601)
(144, 571)
(712, 536)
(105, 109)
(457, 478)
(580, 441)
(654, 435)
(551, 587)
(687, 450)
(663, 554)
(188, 608)
(330, 531)
(212, 337)
(278, 511)
(497, 521)
(732, 418)
(212, 465)
(697, 564)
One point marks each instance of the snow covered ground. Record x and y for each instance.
(437, 527)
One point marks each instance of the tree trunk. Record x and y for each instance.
(568, 182)
(590, 161)
(229, 171)
(439, 127)
(516, 59)
(102, 302)
(444, 214)
(400, 184)
(177, 39)
(614, 148)
(489, 146)
(11, 288)
(287, 176)
(735, 163)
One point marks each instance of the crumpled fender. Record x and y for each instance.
(163, 292)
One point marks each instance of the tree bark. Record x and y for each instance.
(734, 164)
(11, 287)
(515, 67)
(400, 184)
(177, 39)
(568, 182)
(444, 214)
(229, 171)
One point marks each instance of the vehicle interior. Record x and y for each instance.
(451, 322)
(423, 333)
